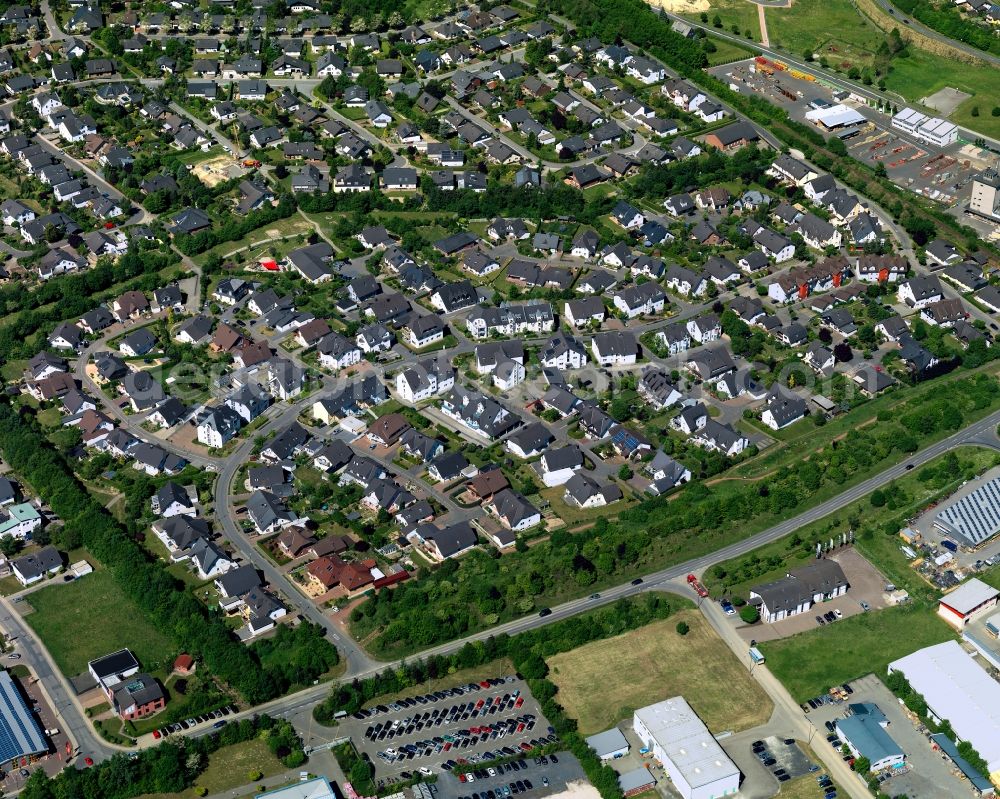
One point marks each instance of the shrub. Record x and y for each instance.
(683, 628)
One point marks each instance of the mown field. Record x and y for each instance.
(604, 682)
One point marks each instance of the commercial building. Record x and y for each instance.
(933, 130)
(316, 788)
(958, 689)
(974, 518)
(835, 117)
(609, 744)
(864, 733)
(985, 197)
(799, 590)
(970, 600)
(20, 735)
(692, 758)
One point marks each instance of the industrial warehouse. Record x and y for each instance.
(973, 518)
(20, 735)
(697, 765)
(958, 689)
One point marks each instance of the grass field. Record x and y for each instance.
(810, 663)
(830, 28)
(229, 768)
(734, 12)
(924, 73)
(262, 240)
(90, 617)
(605, 681)
(725, 52)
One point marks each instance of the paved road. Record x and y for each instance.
(786, 708)
(930, 33)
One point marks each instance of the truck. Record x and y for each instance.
(699, 589)
(756, 656)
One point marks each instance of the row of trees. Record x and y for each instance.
(168, 768)
(951, 23)
(162, 599)
(457, 599)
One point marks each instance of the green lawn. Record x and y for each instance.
(268, 237)
(726, 52)
(90, 617)
(734, 12)
(230, 768)
(810, 663)
(923, 73)
(830, 28)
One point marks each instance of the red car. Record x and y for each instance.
(88, 761)
(519, 702)
(520, 727)
(156, 734)
(484, 684)
(461, 777)
(480, 703)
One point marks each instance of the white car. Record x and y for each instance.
(425, 771)
(838, 613)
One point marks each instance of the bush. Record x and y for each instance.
(750, 614)
(201, 790)
(683, 628)
(255, 775)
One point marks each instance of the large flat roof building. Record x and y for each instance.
(974, 518)
(693, 759)
(316, 788)
(20, 735)
(957, 688)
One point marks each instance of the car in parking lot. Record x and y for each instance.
(820, 621)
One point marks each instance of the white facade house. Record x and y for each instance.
(694, 760)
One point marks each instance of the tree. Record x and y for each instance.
(750, 614)
(625, 473)
(878, 498)
(683, 628)
(843, 353)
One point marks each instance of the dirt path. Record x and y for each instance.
(764, 40)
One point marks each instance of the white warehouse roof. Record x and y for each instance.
(836, 116)
(969, 596)
(686, 740)
(960, 690)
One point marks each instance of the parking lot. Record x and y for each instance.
(529, 777)
(930, 774)
(431, 733)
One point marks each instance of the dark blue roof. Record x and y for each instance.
(20, 734)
